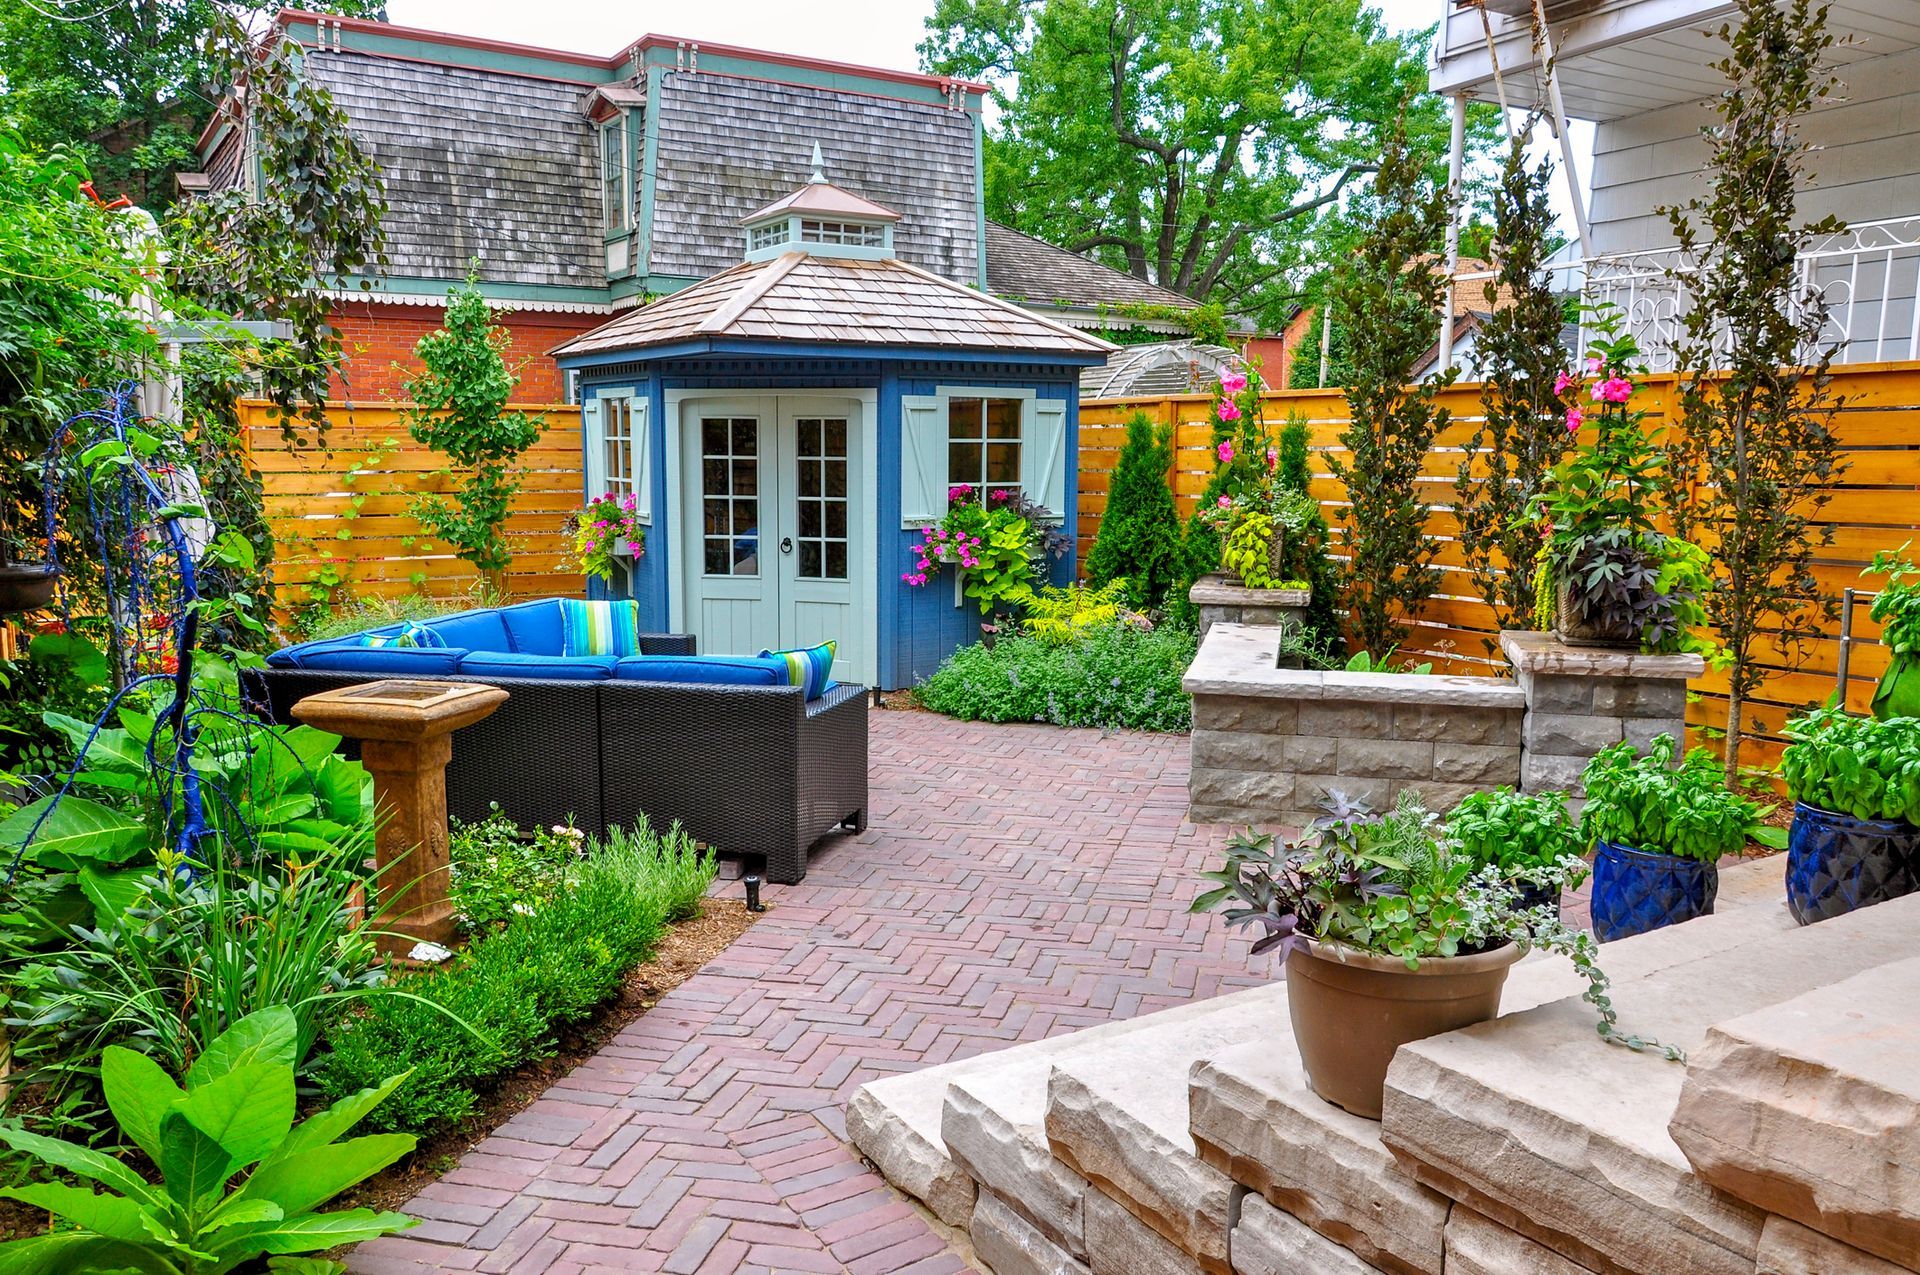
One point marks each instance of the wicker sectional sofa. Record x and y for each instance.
(748, 767)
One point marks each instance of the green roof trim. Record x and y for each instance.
(481, 57)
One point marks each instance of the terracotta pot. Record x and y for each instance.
(1579, 633)
(26, 586)
(1351, 1010)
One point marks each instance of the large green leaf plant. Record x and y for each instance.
(233, 1115)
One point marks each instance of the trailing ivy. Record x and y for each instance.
(1757, 441)
(459, 408)
(1387, 298)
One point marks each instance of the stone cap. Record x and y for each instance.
(1239, 659)
(1532, 652)
(1215, 591)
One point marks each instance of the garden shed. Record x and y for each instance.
(789, 425)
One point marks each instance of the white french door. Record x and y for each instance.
(773, 526)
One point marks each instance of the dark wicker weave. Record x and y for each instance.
(749, 770)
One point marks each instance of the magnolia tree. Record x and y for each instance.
(1755, 423)
(1386, 298)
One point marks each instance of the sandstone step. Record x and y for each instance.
(1543, 1127)
(1008, 1244)
(1116, 1115)
(1811, 1109)
(1268, 1241)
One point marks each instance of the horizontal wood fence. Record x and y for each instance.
(1875, 506)
(338, 505)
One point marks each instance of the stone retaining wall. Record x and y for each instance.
(1269, 743)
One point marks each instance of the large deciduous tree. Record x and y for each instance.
(1756, 410)
(1197, 144)
(1387, 299)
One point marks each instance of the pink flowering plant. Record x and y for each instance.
(999, 544)
(1624, 576)
(608, 524)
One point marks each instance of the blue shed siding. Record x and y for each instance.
(916, 628)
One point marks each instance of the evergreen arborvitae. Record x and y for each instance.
(1139, 539)
(1306, 555)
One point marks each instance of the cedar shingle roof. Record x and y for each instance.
(827, 199)
(803, 298)
(1035, 272)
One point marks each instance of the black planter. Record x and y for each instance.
(1836, 863)
(1637, 890)
(26, 586)
(1534, 896)
(1580, 633)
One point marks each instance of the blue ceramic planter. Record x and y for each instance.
(1836, 863)
(1635, 891)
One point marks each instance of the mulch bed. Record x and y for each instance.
(683, 950)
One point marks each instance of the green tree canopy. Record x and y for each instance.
(1196, 144)
(128, 85)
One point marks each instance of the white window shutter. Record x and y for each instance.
(595, 447)
(923, 461)
(1043, 457)
(643, 460)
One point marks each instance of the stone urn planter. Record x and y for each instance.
(1639, 890)
(1351, 1010)
(1582, 633)
(1837, 863)
(26, 586)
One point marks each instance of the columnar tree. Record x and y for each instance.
(459, 408)
(1755, 424)
(1139, 539)
(1523, 433)
(1388, 296)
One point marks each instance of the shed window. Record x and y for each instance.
(616, 192)
(856, 233)
(616, 445)
(983, 443)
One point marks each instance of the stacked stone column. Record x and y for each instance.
(1583, 699)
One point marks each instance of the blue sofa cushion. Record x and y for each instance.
(475, 630)
(535, 627)
(703, 670)
(572, 668)
(346, 655)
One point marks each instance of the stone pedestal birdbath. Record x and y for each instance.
(403, 729)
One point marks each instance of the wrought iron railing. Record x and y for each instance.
(1869, 275)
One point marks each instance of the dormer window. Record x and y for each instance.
(616, 191)
(821, 220)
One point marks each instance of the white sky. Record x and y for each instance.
(869, 32)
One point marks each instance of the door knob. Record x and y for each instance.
(786, 544)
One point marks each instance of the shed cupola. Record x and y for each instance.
(821, 220)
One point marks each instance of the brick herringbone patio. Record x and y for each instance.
(1015, 882)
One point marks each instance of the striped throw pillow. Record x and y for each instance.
(410, 635)
(599, 628)
(809, 667)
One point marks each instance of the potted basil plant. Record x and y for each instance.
(1658, 831)
(1855, 784)
(1390, 935)
(1524, 835)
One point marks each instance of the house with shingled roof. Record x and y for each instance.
(580, 186)
(792, 424)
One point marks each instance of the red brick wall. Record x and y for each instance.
(377, 336)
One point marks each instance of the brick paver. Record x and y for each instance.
(1015, 882)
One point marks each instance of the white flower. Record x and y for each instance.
(432, 953)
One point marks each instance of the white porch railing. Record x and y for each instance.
(1868, 273)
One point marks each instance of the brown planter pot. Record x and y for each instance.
(26, 586)
(1351, 1010)
(1576, 633)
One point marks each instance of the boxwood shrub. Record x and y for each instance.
(1115, 676)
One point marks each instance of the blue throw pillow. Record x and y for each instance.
(810, 667)
(599, 628)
